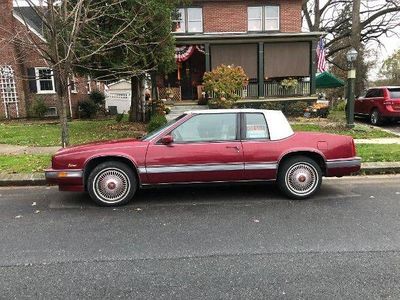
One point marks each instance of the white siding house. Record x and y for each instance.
(118, 96)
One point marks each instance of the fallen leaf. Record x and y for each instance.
(18, 217)
(371, 197)
(256, 221)
(138, 209)
(37, 211)
(33, 203)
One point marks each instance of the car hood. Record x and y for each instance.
(100, 145)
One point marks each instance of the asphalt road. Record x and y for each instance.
(230, 242)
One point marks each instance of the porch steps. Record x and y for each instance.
(178, 109)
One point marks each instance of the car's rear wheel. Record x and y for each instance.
(299, 177)
(112, 183)
(375, 117)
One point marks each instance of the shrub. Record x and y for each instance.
(39, 108)
(156, 122)
(273, 105)
(97, 97)
(296, 108)
(87, 109)
(223, 84)
(340, 106)
(119, 117)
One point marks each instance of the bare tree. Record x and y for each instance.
(107, 39)
(367, 20)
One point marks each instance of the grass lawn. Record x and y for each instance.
(358, 132)
(24, 163)
(375, 152)
(28, 133)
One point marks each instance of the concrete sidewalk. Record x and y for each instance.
(15, 150)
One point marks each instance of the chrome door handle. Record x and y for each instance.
(234, 147)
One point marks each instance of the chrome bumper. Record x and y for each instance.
(343, 163)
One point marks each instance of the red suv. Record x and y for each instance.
(379, 104)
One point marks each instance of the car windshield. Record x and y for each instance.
(152, 134)
(394, 93)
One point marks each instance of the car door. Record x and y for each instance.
(260, 153)
(205, 148)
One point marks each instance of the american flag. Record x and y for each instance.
(321, 66)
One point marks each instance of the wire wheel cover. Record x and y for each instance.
(301, 178)
(111, 185)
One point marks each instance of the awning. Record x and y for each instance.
(327, 80)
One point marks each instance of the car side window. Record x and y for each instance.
(255, 127)
(369, 94)
(379, 93)
(207, 128)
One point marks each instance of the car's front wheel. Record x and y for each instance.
(112, 183)
(299, 177)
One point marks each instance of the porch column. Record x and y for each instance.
(207, 58)
(313, 66)
(261, 70)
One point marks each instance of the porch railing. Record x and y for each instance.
(275, 89)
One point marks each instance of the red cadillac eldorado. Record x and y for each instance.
(206, 146)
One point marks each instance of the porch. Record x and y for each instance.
(268, 60)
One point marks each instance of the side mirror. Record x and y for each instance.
(166, 140)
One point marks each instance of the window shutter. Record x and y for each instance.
(32, 80)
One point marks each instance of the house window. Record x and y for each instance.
(44, 81)
(188, 20)
(179, 21)
(263, 18)
(254, 18)
(7, 85)
(73, 85)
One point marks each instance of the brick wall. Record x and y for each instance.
(231, 16)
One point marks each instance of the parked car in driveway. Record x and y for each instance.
(238, 145)
(379, 104)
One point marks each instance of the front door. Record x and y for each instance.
(186, 83)
(206, 148)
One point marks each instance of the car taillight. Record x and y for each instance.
(388, 102)
(354, 147)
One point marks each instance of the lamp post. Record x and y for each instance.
(351, 56)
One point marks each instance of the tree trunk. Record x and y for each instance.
(62, 97)
(134, 99)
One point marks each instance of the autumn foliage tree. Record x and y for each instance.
(224, 83)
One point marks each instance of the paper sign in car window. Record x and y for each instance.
(256, 131)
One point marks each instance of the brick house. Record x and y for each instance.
(264, 37)
(24, 75)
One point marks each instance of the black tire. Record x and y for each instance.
(299, 177)
(112, 183)
(375, 117)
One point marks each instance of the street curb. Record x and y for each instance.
(38, 179)
(35, 179)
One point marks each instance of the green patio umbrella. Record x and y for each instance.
(327, 80)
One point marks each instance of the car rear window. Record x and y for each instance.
(394, 93)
